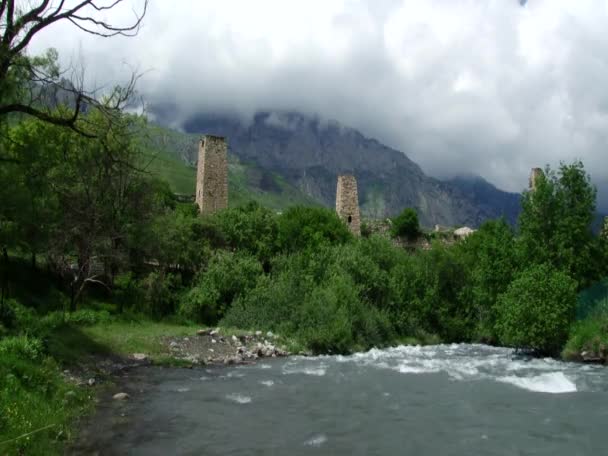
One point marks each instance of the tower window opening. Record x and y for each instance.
(350, 219)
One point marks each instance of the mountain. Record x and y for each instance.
(172, 155)
(487, 197)
(309, 154)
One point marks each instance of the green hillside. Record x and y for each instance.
(171, 156)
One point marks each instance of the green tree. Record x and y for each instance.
(250, 228)
(228, 276)
(302, 228)
(35, 85)
(490, 259)
(406, 224)
(537, 309)
(555, 223)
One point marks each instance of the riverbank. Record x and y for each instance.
(50, 383)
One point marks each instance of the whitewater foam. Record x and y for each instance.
(553, 382)
(238, 398)
(466, 362)
(316, 441)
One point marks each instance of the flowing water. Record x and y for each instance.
(437, 400)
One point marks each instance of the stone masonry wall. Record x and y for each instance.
(347, 203)
(534, 175)
(212, 175)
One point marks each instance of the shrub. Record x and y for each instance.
(250, 228)
(537, 309)
(406, 224)
(310, 297)
(22, 347)
(159, 292)
(228, 276)
(302, 228)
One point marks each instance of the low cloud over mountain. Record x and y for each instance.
(491, 88)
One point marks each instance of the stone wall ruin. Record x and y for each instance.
(347, 203)
(212, 175)
(534, 176)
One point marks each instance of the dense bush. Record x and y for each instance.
(489, 257)
(406, 224)
(537, 309)
(302, 228)
(251, 228)
(227, 277)
(21, 347)
(159, 294)
(312, 297)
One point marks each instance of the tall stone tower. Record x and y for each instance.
(347, 203)
(534, 175)
(212, 175)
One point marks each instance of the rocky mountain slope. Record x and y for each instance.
(309, 154)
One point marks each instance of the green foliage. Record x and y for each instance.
(590, 335)
(313, 297)
(406, 224)
(34, 398)
(555, 224)
(227, 277)
(159, 292)
(301, 228)
(21, 347)
(490, 260)
(537, 309)
(250, 228)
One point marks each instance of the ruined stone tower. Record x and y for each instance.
(347, 203)
(534, 175)
(212, 175)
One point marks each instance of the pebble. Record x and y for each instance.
(213, 341)
(120, 396)
(143, 356)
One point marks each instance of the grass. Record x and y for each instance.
(590, 335)
(123, 338)
(39, 407)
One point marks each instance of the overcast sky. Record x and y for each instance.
(489, 87)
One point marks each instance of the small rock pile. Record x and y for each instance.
(211, 346)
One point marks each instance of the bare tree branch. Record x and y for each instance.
(17, 29)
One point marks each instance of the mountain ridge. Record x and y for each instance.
(310, 153)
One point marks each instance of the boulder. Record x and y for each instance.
(142, 356)
(120, 397)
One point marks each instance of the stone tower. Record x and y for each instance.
(534, 175)
(347, 203)
(212, 175)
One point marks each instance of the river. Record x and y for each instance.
(435, 400)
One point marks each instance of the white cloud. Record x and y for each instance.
(461, 86)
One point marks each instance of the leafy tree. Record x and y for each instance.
(555, 223)
(537, 309)
(33, 85)
(250, 228)
(227, 277)
(490, 259)
(84, 195)
(406, 224)
(302, 228)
